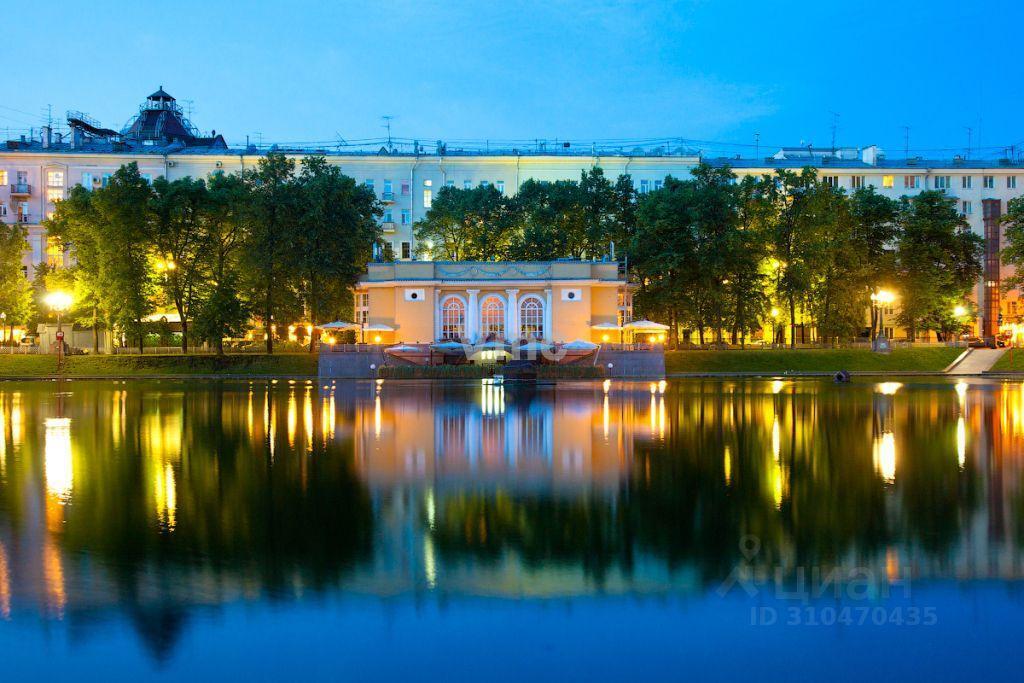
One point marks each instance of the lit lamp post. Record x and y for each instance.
(59, 303)
(879, 301)
(959, 312)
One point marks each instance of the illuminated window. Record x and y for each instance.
(531, 318)
(55, 178)
(3, 177)
(428, 198)
(453, 318)
(888, 181)
(54, 252)
(492, 317)
(54, 194)
(362, 307)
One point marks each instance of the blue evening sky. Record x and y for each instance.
(582, 70)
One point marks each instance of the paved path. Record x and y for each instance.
(976, 361)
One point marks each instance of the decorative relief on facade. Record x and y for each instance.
(478, 271)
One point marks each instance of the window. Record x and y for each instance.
(362, 307)
(988, 182)
(942, 182)
(389, 191)
(406, 216)
(405, 188)
(965, 182)
(23, 215)
(87, 181)
(645, 186)
(3, 177)
(857, 182)
(531, 318)
(428, 198)
(492, 318)
(148, 177)
(369, 183)
(388, 218)
(3, 209)
(500, 185)
(106, 179)
(467, 184)
(54, 194)
(54, 252)
(449, 183)
(967, 208)
(428, 183)
(657, 184)
(888, 181)
(831, 180)
(911, 182)
(1011, 182)
(453, 318)
(55, 178)
(406, 250)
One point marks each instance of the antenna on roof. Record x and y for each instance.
(387, 124)
(757, 145)
(969, 132)
(906, 142)
(835, 126)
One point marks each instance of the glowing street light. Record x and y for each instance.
(959, 311)
(58, 302)
(879, 301)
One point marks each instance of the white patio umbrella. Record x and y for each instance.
(606, 326)
(645, 326)
(340, 325)
(580, 345)
(536, 346)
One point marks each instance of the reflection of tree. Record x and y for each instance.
(243, 520)
(540, 529)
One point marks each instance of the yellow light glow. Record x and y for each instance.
(883, 454)
(654, 388)
(58, 466)
(961, 392)
(776, 439)
(165, 498)
(604, 337)
(776, 312)
(888, 388)
(959, 311)
(727, 465)
(57, 301)
(777, 386)
(961, 441)
(606, 385)
(661, 386)
(376, 339)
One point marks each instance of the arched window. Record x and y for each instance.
(492, 318)
(453, 318)
(531, 318)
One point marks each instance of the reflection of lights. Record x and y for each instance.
(606, 385)
(58, 465)
(606, 416)
(654, 388)
(961, 441)
(165, 497)
(292, 418)
(961, 392)
(661, 386)
(777, 385)
(307, 418)
(431, 510)
(654, 414)
(53, 579)
(376, 416)
(661, 417)
(883, 454)
(492, 397)
(16, 419)
(776, 439)
(777, 484)
(888, 388)
(5, 585)
(429, 562)
(727, 465)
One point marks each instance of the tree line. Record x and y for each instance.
(272, 243)
(724, 256)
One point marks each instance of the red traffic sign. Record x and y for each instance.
(60, 336)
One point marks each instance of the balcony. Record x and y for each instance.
(22, 189)
(387, 196)
(388, 226)
(24, 218)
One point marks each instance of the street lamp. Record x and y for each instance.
(879, 301)
(59, 302)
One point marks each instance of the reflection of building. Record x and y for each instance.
(426, 301)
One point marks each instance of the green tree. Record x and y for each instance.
(126, 284)
(466, 225)
(1013, 237)
(939, 260)
(16, 302)
(180, 244)
(273, 225)
(222, 311)
(876, 230)
(336, 230)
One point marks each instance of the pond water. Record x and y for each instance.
(772, 530)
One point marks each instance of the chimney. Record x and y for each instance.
(46, 136)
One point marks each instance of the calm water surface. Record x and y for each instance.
(786, 530)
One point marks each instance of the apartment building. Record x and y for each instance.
(37, 170)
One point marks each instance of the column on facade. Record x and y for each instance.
(548, 336)
(473, 316)
(437, 313)
(512, 315)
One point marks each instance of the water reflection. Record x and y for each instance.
(154, 499)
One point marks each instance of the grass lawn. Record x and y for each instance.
(1012, 361)
(933, 359)
(114, 366)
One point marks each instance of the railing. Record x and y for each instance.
(21, 188)
(354, 348)
(388, 226)
(20, 350)
(24, 218)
